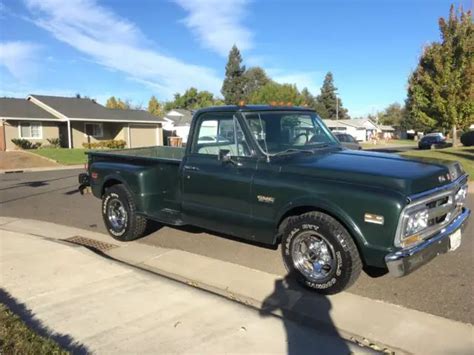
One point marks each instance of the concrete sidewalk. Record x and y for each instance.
(353, 317)
(93, 304)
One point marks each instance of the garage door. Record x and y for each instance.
(143, 136)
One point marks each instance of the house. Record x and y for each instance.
(353, 127)
(74, 121)
(371, 128)
(178, 121)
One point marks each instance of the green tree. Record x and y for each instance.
(330, 106)
(233, 88)
(393, 115)
(275, 94)
(193, 99)
(440, 90)
(255, 78)
(307, 98)
(154, 107)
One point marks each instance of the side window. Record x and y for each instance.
(216, 132)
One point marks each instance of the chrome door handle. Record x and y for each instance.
(191, 168)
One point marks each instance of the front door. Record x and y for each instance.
(216, 193)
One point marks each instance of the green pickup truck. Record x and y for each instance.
(277, 175)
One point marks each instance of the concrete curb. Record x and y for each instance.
(380, 325)
(46, 168)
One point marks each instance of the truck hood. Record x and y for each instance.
(405, 175)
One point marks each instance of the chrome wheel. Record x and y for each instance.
(116, 214)
(313, 256)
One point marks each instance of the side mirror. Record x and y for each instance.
(224, 156)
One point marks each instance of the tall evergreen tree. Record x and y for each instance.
(233, 88)
(329, 104)
(441, 89)
(154, 106)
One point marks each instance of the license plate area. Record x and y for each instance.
(455, 240)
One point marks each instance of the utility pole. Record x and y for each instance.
(337, 108)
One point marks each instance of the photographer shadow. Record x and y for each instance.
(306, 319)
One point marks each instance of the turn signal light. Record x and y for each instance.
(411, 240)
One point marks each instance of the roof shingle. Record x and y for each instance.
(21, 108)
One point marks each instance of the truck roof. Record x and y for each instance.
(234, 108)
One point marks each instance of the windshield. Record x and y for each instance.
(279, 132)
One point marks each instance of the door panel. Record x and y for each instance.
(215, 193)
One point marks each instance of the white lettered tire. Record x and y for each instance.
(120, 216)
(320, 253)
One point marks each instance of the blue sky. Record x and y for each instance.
(135, 49)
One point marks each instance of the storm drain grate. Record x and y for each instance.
(91, 243)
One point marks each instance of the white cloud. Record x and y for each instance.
(118, 44)
(311, 80)
(19, 59)
(217, 23)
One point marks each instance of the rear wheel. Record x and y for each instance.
(320, 253)
(120, 216)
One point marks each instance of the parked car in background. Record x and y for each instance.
(431, 141)
(347, 141)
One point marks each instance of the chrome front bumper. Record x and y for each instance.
(405, 261)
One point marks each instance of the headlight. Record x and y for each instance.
(416, 222)
(460, 196)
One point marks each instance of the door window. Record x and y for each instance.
(216, 132)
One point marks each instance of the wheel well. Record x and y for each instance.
(303, 209)
(109, 183)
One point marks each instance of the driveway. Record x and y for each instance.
(444, 287)
(17, 160)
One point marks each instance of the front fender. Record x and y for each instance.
(330, 208)
(349, 205)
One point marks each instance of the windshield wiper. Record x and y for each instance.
(321, 145)
(293, 150)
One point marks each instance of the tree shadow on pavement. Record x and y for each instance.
(297, 305)
(63, 340)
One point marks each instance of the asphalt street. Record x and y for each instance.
(445, 287)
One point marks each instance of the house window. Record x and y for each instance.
(30, 130)
(94, 130)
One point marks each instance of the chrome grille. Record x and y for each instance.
(442, 206)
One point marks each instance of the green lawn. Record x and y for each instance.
(63, 156)
(17, 338)
(465, 155)
(391, 143)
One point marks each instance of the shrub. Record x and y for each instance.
(467, 139)
(110, 144)
(25, 143)
(54, 142)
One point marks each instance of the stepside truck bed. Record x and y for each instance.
(160, 153)
(150, 173)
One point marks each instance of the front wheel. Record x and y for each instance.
(120, 215)
(320, 252)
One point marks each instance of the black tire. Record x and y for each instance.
(133, 225)
(347, 264)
